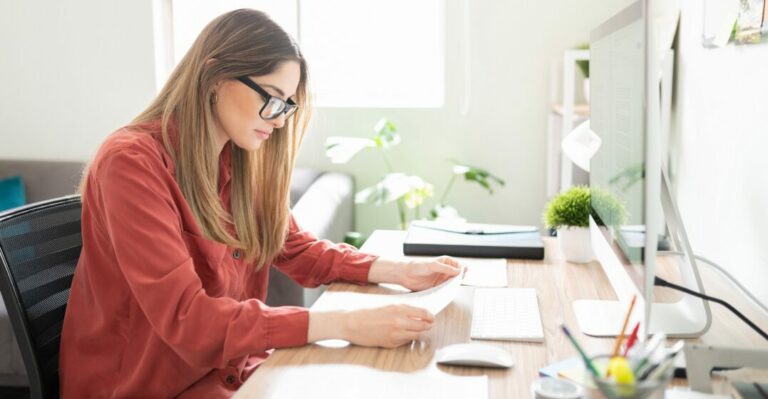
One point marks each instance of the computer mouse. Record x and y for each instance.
(474, 354)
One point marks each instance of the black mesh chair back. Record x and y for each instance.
(39, 248)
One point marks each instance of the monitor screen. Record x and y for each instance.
(617, 80)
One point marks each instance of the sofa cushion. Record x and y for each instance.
(301, 179)
(12, 193)
(44, 179)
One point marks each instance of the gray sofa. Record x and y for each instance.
(322, 204)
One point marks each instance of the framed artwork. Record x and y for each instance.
(751, 25)
(735, 21)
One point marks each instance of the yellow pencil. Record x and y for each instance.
(624, 327)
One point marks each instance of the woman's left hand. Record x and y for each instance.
(420, 275)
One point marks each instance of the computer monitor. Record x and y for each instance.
(626, 67)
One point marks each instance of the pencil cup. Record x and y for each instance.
(640, 389)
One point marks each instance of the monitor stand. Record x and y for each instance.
(689, 317)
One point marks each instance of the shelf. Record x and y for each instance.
(580, 110)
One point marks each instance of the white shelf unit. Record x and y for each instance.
(563, 117)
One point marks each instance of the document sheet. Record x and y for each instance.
(434, 299)
(485, 272)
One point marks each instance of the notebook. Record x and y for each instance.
(473, 240)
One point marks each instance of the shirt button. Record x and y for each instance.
(236, 254)
(230, 379)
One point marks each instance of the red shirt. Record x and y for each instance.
(157, 310)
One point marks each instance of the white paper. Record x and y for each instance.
(355, 382)
(485, 272)
(434, 299)
(474, 228)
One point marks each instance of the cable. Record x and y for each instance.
(728, 275)
(664, 283)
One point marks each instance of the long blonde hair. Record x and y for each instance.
(243, 42)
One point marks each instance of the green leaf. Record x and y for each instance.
(475, 174)
(386, 134)
(343, 149)
(394, 186)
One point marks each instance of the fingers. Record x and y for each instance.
(414, 325)
(448, 261)
(417, 313)
(445, 268)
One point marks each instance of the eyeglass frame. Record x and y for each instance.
(289, 107)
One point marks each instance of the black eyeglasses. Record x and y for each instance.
(273, 106)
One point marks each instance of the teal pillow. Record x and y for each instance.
(12, 193)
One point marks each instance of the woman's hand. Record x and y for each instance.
(415, 275)
(421, 275)
(389, 326)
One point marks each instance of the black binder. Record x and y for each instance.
(492, 241)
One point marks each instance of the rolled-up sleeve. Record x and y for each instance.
(312, 262)
(143, 224)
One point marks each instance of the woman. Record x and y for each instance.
(184, 211)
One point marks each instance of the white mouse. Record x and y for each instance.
(474, 354)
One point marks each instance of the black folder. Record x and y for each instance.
(493, 241)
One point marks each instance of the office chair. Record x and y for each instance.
(39, 249)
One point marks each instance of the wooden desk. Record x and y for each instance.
(557, 283)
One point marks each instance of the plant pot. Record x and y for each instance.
(575, 244)
(586, 90)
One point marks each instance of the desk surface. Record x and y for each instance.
(557, 283)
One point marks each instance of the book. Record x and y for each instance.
(473, 240)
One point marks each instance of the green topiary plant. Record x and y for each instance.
(612, 210)
(572, 208)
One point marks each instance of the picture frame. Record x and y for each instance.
(738, 22)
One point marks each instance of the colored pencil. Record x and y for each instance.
(632, 339)
(584, 356)
(620, 338)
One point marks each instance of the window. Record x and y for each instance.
(361, 53)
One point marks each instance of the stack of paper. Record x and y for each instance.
(434, 299)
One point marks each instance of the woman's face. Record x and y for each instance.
(236, 111)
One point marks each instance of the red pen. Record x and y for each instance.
(632, 339)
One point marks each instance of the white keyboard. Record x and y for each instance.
(510, 314)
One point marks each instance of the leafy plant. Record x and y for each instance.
(408, 192)
(583, 64)
(572, 208)
(612, 210)
(471, 174)
(628, 177)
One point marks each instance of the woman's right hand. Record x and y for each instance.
(389, 326)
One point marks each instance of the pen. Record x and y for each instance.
(632, 339)
(584, 356)
(663, 364)
(620, 337)
(650, 348)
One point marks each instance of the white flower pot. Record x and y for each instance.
(586, 90)
(575, 244)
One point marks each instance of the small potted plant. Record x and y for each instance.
(569, 212)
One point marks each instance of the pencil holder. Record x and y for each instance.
(643, 389)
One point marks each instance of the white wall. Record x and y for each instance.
(71, 72)
(513, 45)
(721, 140)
